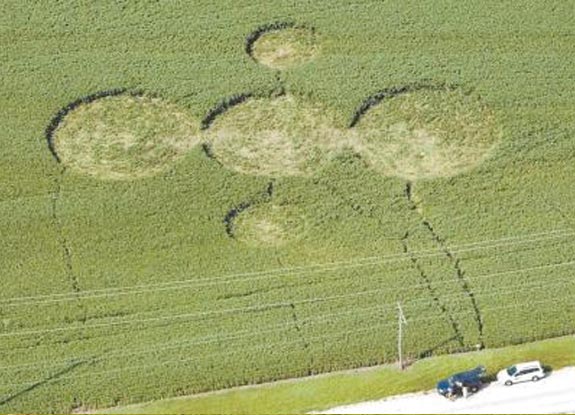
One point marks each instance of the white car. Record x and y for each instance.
(521, 372)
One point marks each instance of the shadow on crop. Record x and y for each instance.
(42, 382)
(438, 347)
(387, 93)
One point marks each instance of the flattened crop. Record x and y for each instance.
(283, 136)
(427, 134)
(124, 136)
(285, 48)
(270, 225)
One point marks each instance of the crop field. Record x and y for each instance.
(200, 195)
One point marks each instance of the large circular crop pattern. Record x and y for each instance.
(124, 136)
(427, 133)
(282, 136)
(286, 47)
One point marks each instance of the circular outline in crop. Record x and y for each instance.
(63, 112)
(279, 136)
(269, 225)
(440, 133)
(391, 92)
(92, 135)
(305, 50)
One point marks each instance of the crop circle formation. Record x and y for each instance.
(124, 136)
(269, 225)
(282, 136)
(284, 48)
(427, 133)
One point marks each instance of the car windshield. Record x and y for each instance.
(511, 371)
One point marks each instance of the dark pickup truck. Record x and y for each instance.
(453, 387)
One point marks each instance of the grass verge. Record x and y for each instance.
(326, 391)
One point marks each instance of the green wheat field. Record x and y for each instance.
(206, 194)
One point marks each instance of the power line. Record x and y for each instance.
(501, 289)
(499, 292)
(134, 367)
(257, 347)
(262, 307)
(452, 280)
(257, 308)
(277, 327)
(302, 270)
(209, 339)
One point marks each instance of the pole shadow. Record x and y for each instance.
(40, 383)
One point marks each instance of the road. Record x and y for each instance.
(554, 394)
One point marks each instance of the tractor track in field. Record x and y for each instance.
(366, 208)
(452, 257)
(209, 153)
(305, 342)
(251, 292)
(63, 241)
(255, 291)
(460, 273)
(359, 208)
(434, 295)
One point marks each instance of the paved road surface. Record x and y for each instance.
(554, 394)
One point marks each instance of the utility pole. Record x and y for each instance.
(401, 321)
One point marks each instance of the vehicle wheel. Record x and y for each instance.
(535, 378)
(508, 383)
(474, 389)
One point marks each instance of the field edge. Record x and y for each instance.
(328, 390)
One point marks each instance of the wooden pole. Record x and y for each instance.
(401, 321)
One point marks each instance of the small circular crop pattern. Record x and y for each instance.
(269, 225)
(285, 48)
(124, 136)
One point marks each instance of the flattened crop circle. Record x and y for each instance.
(284, 48)
(427, 133)
(270, 225)
(124, 136)
(281, 136)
